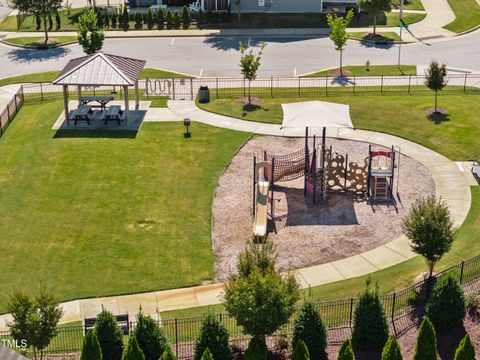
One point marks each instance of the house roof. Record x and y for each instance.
(101, 69)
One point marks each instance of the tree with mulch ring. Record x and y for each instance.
(249, 63)
(435, 80)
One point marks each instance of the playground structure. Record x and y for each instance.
(324, 171)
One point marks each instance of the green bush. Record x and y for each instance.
(200, 17)
(391, 350)
(38, 22)
(113, 20)
(346, 351)
(138, 20)
(160, 19)
(300, 351)
(257, 349)
(109, 336)
(177, 20)
(465, 350)
(106, 20)
(58, 21)
(50, 23)
(370, 327)
(100, 20)
(150, 23)
(213, 335)
(426, 348)
(168, 355)
(125, 18)
(446, 306)
(133, 351)
(207, 355)
(169, 19)
(150, 337)
(311, 328)
(91, 347)
(186, 19)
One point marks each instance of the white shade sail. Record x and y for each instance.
(316, 114)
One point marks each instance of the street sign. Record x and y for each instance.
(402, 25)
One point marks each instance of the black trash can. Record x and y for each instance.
(204, 94)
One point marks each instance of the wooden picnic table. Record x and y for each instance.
(83, 113)
(102, 100)
(114, 113)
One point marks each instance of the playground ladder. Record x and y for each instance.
(380, 188)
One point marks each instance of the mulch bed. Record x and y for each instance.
(253, 100)
(337, 73)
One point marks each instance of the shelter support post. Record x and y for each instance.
(127, 109)
(65, 103)
(137, 97)
(79, 93)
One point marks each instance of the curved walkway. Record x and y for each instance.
(450, 184)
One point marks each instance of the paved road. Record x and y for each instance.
(218, 56)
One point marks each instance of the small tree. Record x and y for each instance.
(310, 327)
(39, 8)
(168, 355)
(150, 23)
(106, 23)
(91, 347)
(259, 297)
(426, 348)
(169, 19)
(338, 26)
(113, 20)
(138, 20)
(370, 327)
(150, 337)
(391, 350)
(34, 320)
(109, 335)
(446, 307)
(465, 350)
(375, 8)
(186, 19)
(213, 335)
(38, 22)
(257, 349)
(177, 20)
(346, 351)
(89, 35)
(300, 351)
(132, 350)
(200, 17)
(58, 21)
(207, 355)
(435, 79)
(160, 19)
(125, 18)
(430, 228)
(249, 64)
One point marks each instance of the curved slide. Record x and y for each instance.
(261, 204)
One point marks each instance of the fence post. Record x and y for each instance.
(216, 86)
(351, 311)
(41, 91)
(299, 78)
(326, 85)
(173, 87)
(16, 104)
(176, 336)
(23, 94)
(461, 272)
(8, 113)
(271, 86)
(354, 83)
(191, 88)
(381, 86)
(393, 307)
(465, 84)
(409, 83)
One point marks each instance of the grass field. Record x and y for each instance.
(413, 5)
(40, 40)
(467, 13)
(29, 24)
(374, 70)
(455, 137)
(91, 213)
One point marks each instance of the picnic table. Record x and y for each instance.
(114, 113)
(83, 113)
(101, 100)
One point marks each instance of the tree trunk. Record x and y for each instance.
(436, 101)
(341, 63)
(431, 266)
(45, 28)
(239, 11)
(375, 25)
(249, 96)
(34, 353)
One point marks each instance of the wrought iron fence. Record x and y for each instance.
(7, 115)
(404, 310)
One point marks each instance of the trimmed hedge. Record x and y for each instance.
(257, 349)
(391, 350)
(213, 335)
(426, 348)
(346, 351)
(310, 327)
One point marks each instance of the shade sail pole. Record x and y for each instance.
(65, 103)
(79, 91)
(137, 97)
(127, 110)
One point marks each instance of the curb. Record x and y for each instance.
(53, 46)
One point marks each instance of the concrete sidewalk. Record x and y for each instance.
(439, 14)
(451, 185)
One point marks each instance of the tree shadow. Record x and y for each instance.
(367, 354)
(439, 117)
(250, 108)
(34, 55)
(448, 342)
(377, 45)
(95, 134)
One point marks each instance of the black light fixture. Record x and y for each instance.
(187, 123)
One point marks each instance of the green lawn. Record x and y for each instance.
(40, 40)
(413, 5)
(90, 213)
(29, 24)
(467, 13)
(374, 70)
(404, 115)
(379, 38)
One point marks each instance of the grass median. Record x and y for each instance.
(467, 15)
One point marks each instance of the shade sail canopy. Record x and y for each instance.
(316, 114)
(101, 69)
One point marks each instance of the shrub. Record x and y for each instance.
(186, 19)
(426, 348)
(133, 351)
(160, 19)
(109, 336)
(150, 23)
(168, 355)
(100, 20)
(50, 23)
(213, 335)
(125, 18)
(106, 21)
(300, 351)
(311, 329)
(58, 21)
(346, 351)
(169, 19)
(391, 350)
(370, 327)
(465, 350)
(114, 20)
(138, 20)
(200, 17)
(207, 355)
(150, 337)
(38, 22)
(446, 306)
(91, 347)
(257, 349)
(472, 304)
(177, 20)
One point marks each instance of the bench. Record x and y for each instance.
(476, 171)
(122, 320)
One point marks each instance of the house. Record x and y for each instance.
(280, 6)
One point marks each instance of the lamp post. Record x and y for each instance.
(401, 31)
(187, 123)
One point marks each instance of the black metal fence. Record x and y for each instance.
(12, 108)
(404, 309)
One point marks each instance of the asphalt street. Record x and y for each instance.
(219, 56)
